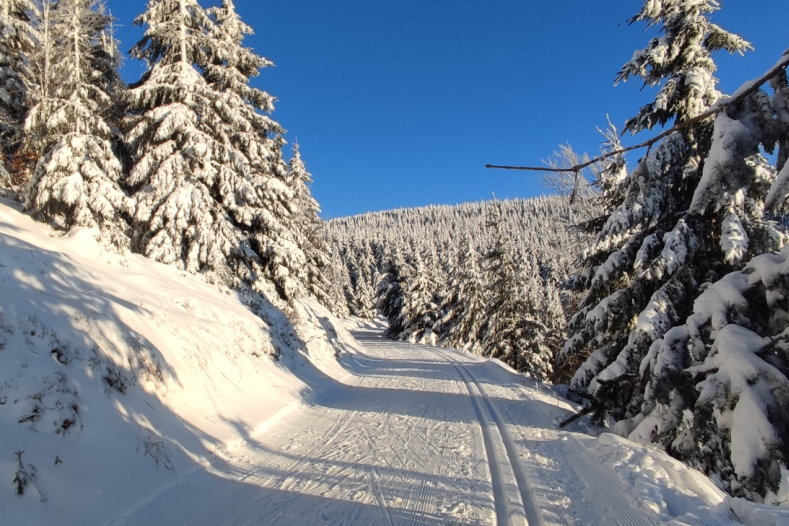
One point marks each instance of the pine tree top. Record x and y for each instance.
(681, 59)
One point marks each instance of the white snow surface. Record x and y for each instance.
(345, 427)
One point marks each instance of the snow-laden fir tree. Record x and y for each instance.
(391, 290)
(418, 311)
(208, 172)
(547, 300)
(463, 309)
(16, 43)
(270, 221)
(642, 245)
(693, 211)
(177, 159)
(716, 387)
(78, 174)
(680, 60)
(512, 330)
(364, 296)
(308, 229)
(337, 274)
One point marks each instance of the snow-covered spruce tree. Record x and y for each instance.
(177, 159)
(78, 174)
(337, 273)
(680, 59)
(269, 221)
(350, 283)
(463, 309)
(16, 43)
(207, 165)
(512, 330)
(419, 308)
(639, 262)
(550, 310)
(716, 387)
(364, 297)
(391, 290)
(694, 210)
(308, 229)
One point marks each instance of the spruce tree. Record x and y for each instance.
(679, 61)
(364, 297)
(308, 229)
(208, 171)
(78, 174)
(418, 310)
(269, 219)
(512, 331)
(337, 271)
(673, 331)
(391, 290)
(462, 311)
(642, 243)
(178, 220)
(16, 43)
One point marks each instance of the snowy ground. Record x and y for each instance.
(419, 435)
(144, 396)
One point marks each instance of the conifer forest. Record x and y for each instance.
(648, 287)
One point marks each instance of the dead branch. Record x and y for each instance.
(716, 108)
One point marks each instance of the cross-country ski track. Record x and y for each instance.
(412, 435)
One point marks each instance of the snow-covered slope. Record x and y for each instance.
(118, 374)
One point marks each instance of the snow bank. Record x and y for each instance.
(677, 493)
(120, 375)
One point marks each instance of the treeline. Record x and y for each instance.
(482, 276)
(184, 166)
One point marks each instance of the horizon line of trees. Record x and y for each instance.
(184, 166)
(483, 276)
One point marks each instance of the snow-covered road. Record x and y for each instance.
(413, 435)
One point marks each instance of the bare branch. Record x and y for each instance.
(747, 89)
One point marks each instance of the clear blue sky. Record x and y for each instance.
(402, 103)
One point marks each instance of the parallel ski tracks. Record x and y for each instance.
(515, 503)
(420, 438)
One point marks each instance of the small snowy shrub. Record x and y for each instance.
(158, 451)
(26, 476)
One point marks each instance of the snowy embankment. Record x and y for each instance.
(119, 375)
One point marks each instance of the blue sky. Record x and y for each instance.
(402, 103)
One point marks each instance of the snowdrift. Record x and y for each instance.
(119, 374)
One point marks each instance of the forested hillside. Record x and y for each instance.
(484, 276)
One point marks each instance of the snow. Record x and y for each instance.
(752, 434)
(780, 188)
(148, 396)
(734, 239)
(116, 364)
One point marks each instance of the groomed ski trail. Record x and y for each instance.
(413, 436)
